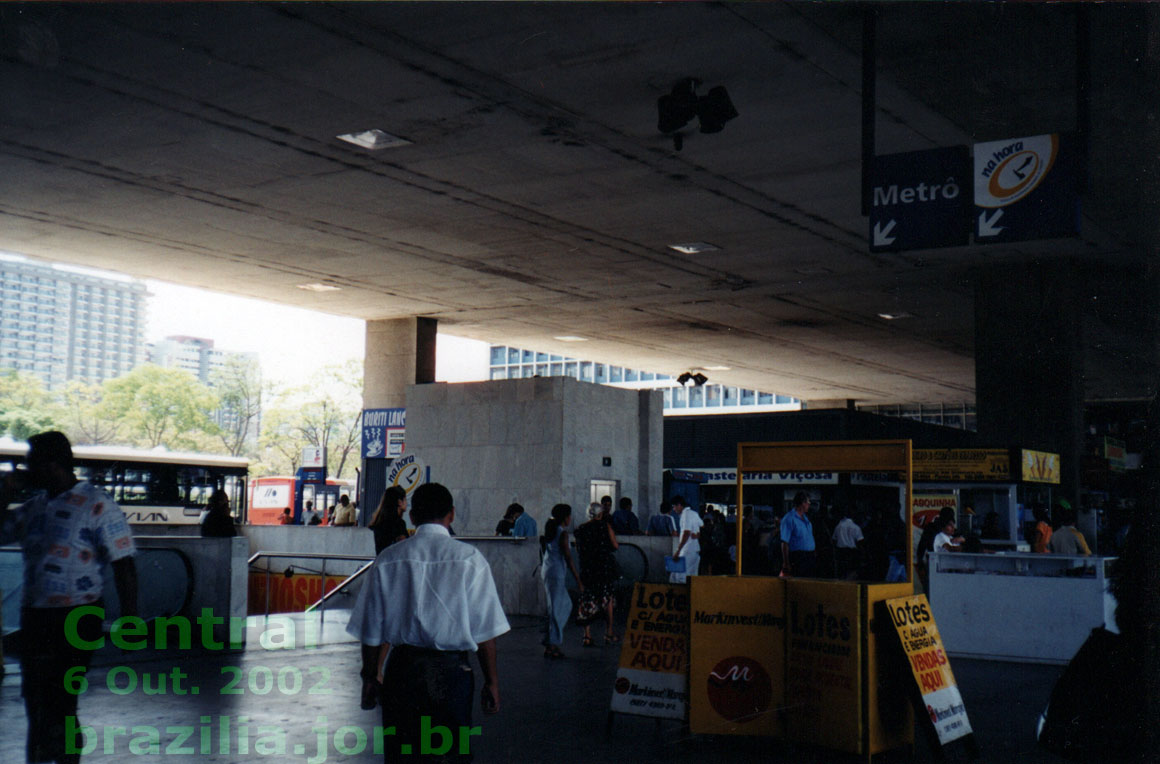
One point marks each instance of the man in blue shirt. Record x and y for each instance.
(525, 524)
(624, 520)
(797, 539)
(663, 523)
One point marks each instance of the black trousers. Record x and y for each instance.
(803, 564)
(427, 697)
(45, 657)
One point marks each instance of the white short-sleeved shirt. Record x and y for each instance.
(66, 541)
(691, 522)
(847, 534)
(429, 591)
(940, 541)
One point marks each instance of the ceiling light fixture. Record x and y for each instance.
(694, 247)
(374, 139)
(716, 368)
(318, 287)
(895, 316)
(570, 338)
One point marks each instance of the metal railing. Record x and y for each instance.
(369, 561)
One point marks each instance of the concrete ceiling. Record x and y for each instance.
(196, 144)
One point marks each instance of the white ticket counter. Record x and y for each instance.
(1019, 607)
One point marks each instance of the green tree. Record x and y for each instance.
(162, 407)
(239, 388)
(88, 419)
(26, 408)
(325, 412)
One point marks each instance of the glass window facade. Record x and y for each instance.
(516, 363)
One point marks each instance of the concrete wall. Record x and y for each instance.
(534, 441)
(218, 576)
(221, 571)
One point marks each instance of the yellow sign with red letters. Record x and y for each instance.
(914, 622)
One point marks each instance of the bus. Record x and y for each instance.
(271, 495)
(154, 487)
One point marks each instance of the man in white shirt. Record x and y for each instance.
(847, 536)
(688, 545)
(428, 602)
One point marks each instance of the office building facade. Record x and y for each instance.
(63, 324)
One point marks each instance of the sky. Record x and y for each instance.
(286, 356)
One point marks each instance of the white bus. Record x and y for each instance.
(155, 487)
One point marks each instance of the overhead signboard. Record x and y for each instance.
(712, 476)
(383, 432)
(961, 464)
(653, 678)
(1025, 188)
(1040, 467)
(914, 623)
(921, 199)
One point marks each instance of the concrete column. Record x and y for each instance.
(399, 352)
(1029, 362)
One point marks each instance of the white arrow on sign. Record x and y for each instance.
(882, 235)
(988, 227)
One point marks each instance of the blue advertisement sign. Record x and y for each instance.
(383, 433)
(1025, 188)
(921, 199)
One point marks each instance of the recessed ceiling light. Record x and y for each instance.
(571, 338)
(693, 247)
(716, 368)
(895, 316)
(317, 287)
(374, 139)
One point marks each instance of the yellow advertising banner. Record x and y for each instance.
(1040, 467)
(654, 658)
(287, 595)
(914, 623)
(737, 655)
(961, 464)
(823, 665)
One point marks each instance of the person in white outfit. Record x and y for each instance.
(688, 546)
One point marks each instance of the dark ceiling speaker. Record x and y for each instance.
(715, 109)
(678, 107)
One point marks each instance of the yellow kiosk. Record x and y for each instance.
(802, 659)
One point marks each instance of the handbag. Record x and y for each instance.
(674, 566)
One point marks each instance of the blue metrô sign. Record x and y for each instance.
(921, 199)
(1025, 188)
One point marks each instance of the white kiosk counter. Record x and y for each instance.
(1019, 607)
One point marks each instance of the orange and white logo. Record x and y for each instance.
(1007, 171)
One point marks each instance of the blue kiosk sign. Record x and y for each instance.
(383, 432)
(1025, 189)
(921, 199)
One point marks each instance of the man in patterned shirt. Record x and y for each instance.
(68, 530)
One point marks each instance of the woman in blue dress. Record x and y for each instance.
(557, 561)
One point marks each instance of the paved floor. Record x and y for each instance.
(553, 711)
